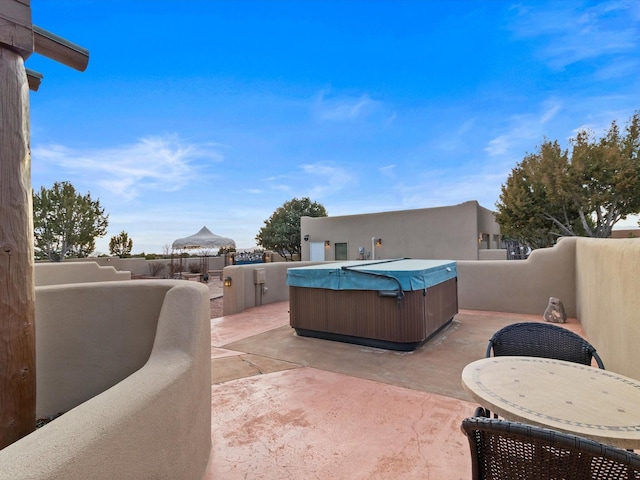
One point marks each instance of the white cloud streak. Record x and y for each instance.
(342, 109)
(327, 178)
(522, 130)
(153, 163)
(574, 33)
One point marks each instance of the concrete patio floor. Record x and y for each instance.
(294, 407)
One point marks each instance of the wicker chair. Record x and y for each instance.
(503, 450)
(538, 339)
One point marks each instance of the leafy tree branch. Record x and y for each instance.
(66, 224)
(581, 192)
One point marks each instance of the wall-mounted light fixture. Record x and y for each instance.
(227, 281)
(306, 238)
(480, 238)
(379, 242)
(327, 243)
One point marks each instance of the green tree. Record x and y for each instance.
(551, 193)
(66, 224)
(121, 245)
(281, 232)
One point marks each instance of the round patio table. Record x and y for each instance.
(570, 397)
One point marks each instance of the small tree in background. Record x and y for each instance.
(66, 224)
(281, 232)
(121, 245)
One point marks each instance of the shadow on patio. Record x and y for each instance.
(285, 406)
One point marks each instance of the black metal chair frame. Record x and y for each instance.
(504, 450)
(539, 339)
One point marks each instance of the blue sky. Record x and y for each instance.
(215, 113)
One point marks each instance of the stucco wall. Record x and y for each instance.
(608, 280)
(521, 286)
(160, 268)
(150, 417)
(449, 233)
(75, 272)
(493, 254)
(245, 293)
(89, 337)
(487, 226)
(140, 266)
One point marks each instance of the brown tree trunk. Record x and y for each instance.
(17, 292)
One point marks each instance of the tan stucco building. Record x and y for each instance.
(460, 232)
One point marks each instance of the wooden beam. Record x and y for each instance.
(18, 33)
(34, 79)
(59, 49)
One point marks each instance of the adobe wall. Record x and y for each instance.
(75, 272)
(449, 233)
(518, 286)
(608, 297)
(130, 364)
(160, 268)
(245, 293)
(492, 254)
(521, 286)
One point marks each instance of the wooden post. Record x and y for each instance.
(17, 292)
(19, 38)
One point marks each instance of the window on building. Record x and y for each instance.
(341, 251)
(483, 241)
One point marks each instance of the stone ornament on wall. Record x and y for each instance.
(555, 311)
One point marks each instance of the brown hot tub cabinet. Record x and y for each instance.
(393, 304)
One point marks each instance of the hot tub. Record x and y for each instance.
(394, 304)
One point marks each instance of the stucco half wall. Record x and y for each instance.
(75, 272)
(130, 364)
(607, 280)
(521, 286)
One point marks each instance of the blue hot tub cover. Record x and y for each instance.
(406, 274)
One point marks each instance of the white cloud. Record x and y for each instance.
(153, 163)
(549, 114)
(342, 109)
(571, 32)
(457, 138)
(388, 170)
(522, 130)
(498, 146)
(325, 178)
(618, 69)
(281, 187)
(391, 118)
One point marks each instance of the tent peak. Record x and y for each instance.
(203, 239)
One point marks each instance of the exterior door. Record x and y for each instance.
(316, 251)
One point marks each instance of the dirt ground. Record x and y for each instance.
(216, 307)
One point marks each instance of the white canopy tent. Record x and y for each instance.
(204, 239)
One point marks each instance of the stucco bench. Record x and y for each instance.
(130, 364)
